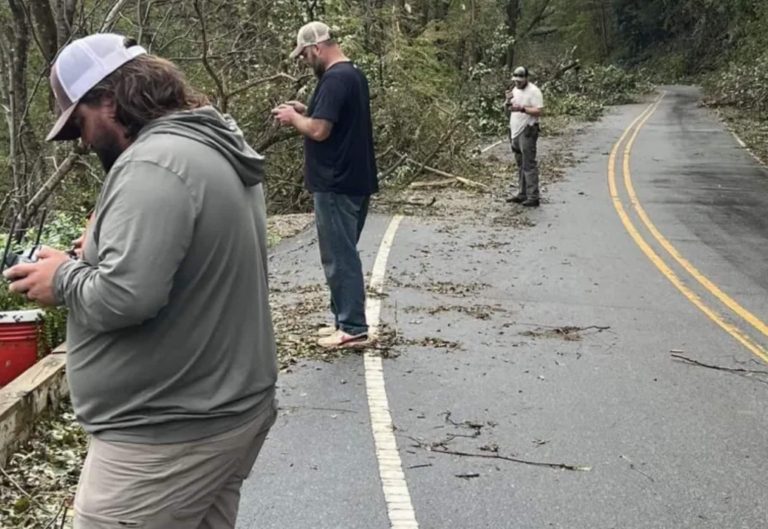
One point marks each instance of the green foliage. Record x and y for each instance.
(742, 85)
(59, 232)
(46, 469)
(595, 88)
(741, 77)
(10, 301)
(53, 331)
(701, 35)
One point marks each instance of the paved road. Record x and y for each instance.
(556, 344)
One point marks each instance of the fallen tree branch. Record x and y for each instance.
(433, 183)
(461, 179)
(563, 69)
(468, 182)
(15, 483)
(558, 466)
(24, 492)
(384, 175)
(738, 370)
(445, 183)
(61, 512)
(570, 328)
(416, 203)
(437, 148)
(440, 449)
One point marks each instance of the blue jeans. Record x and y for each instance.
(340, 220)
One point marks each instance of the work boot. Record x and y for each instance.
(517, 199)
(531, 203)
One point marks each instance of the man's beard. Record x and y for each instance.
(319, 69)
(108, 153)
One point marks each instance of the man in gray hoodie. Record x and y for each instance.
(171, 353)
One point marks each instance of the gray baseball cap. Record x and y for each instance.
(80, 66)
(310, 35)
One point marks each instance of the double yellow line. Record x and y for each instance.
(632, 132)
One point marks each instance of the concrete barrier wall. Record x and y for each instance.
(38, 389)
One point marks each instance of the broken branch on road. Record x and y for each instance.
(439, 448)
(569, 333)
(736, 370)
(449, 180)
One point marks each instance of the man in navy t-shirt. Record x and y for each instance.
(340, 171)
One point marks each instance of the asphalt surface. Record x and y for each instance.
(550, 344)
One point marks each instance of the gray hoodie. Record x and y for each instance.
(169, 335)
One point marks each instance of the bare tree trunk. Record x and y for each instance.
(46, 29)
(65, 15)
(17, 83)
(512, 11)
(604, 29)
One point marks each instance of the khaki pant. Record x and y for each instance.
(192, 485)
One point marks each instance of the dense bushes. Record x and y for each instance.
(741, 84)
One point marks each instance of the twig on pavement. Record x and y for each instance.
(738, 370)
(440, 449)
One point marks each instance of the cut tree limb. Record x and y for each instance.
(433, 183)
(438, 172)
(450, 179)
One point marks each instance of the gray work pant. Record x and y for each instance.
(524, 147)
(193, 485)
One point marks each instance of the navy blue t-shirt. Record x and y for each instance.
(345, 162)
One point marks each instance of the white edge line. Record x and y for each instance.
(741, 142)
(398, 499)
(746, 148)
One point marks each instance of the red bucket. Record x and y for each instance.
(18, 342)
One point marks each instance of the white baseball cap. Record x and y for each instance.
(78, 68)
(310, 35)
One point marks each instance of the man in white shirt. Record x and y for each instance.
(524, 104)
